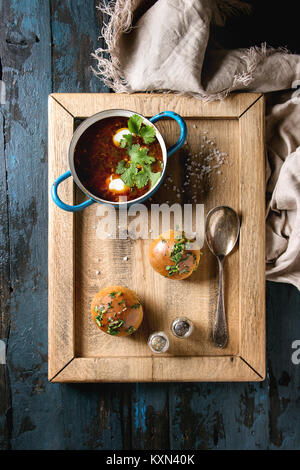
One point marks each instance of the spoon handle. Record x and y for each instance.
(220, 335)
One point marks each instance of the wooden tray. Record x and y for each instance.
(78, 351)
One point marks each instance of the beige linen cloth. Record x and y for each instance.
(165, 45)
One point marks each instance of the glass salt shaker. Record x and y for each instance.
(158, 342)
(182, 327)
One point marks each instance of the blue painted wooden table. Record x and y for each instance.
(45, 46)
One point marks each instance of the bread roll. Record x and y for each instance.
(170, 256)
(117, 311)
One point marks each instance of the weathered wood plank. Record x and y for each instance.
(4, 238)
(150, 417)
(61, 258)
(95, 417)
(218, 416)
(252, 237)
(26, 68)
(75, 35)
(231, 108)
(283, 319)
(5, 394)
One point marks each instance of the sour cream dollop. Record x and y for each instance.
(116, 185)
(119, 135)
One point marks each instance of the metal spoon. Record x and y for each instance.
(221, 232)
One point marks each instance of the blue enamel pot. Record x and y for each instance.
(95, 118)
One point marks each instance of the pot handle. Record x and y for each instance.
(182, 125)
(58, 201)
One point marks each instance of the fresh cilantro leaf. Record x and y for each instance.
(138, 171)
(128, 176)
(154, 177)
(134, 153)
(142, 178)
(126, 141)
(128, 173)
(148, 134)
(134, 124)
(139, 155)
(144, 158)
(121, 167)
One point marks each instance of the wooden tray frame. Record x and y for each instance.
(249, 364)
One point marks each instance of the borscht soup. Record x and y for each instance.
(117, 157)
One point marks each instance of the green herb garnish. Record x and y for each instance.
(112, 295)
(114, 327)
(99, 319)
(154, 177)
(173, 269)
(126, 141)
(136, 306)
(148, 134)
(134, 124)
(116, 323)
(130, 330)
(100, 309)
(137, 172)
(100, 316)
(137, 127)
(112, 332)
(177, 256)
(185, 270)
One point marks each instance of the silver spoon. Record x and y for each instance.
(221, 232)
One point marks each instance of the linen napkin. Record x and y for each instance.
(283, 191)
(165, 45)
